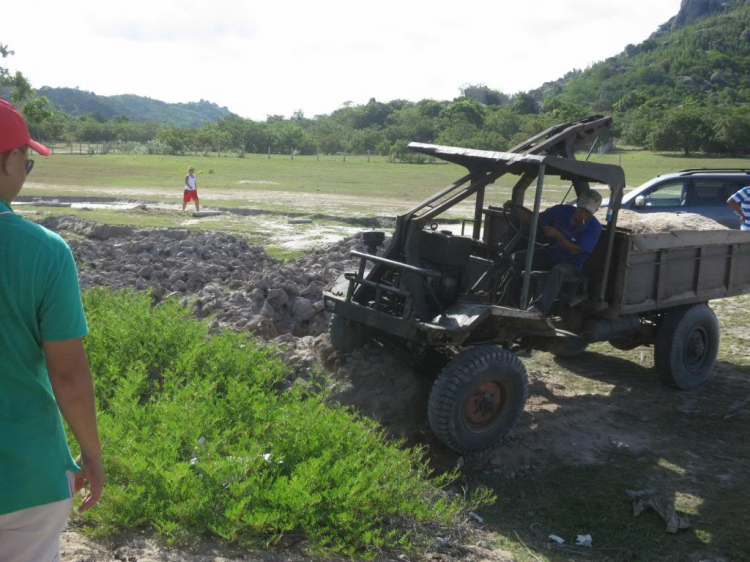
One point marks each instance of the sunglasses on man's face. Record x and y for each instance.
(29, 166)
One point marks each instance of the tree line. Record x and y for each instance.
(649, 111)
(386, 128)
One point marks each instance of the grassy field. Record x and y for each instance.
(232, 181)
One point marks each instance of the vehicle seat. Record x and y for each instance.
(689, 196)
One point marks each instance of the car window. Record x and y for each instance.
(708, 193)
(736, 186)
(667, 194)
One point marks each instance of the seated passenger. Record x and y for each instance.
(574, 232)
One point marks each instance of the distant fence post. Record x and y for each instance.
(71, 147)
(317, 155)
(344, 155)
(291, 154)
(368, 156)
(269, 151)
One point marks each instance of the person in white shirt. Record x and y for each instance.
(191, 190)
(740, 202)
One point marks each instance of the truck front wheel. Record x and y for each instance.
(687, 343)
(477, 398)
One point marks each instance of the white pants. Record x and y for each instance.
(33, 534)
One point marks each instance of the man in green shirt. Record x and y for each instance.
(43, 371)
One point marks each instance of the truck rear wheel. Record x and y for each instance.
(477, 398)
(346, 336)
(687, 343)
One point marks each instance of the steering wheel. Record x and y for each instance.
(542, 239)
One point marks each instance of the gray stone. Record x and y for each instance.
(277, 297)
(146, 272)
(694, 10)
(303, 309)
(686, 80)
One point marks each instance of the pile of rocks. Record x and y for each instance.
(218, 274)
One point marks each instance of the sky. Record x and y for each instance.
(275, 58)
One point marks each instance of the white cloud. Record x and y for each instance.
(262, 58)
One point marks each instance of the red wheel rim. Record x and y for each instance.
(483, 406)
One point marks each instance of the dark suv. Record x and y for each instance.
(700, 191)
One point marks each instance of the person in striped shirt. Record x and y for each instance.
(740, 202)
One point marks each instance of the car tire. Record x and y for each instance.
(477, 398)
(687, 343)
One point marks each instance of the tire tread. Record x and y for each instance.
(456, 375)
(670, 330)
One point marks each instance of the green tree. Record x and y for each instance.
(524, 104)
(37, 113)
(733, 132)
(461, 112)
(685, 128)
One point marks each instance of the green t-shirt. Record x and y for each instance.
(39, 301)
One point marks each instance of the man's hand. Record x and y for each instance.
(92, 471)
(551, 231)
(68, 370)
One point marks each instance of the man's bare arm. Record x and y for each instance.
(736, 206)
(565, 244)
(70, 376)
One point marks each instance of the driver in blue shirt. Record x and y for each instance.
(573, 231)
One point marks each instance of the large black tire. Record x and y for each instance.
(687, 343)
(346, 336)
(568, 347)
(477, 398)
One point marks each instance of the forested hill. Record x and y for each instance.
(685, 88)
(700, 59)
(135, 108)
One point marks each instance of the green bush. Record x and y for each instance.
(203, 436)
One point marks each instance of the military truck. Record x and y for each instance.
(433, 292)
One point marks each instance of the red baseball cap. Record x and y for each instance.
(13, 131)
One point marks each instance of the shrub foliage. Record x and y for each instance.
(202, 435)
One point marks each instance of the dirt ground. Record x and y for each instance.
(581, 412)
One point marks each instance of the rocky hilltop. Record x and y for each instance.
(694, 10)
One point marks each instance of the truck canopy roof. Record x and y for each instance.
(483, 161)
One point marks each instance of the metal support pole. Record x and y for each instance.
(478, 214)
(596, 140)
(532, 239)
